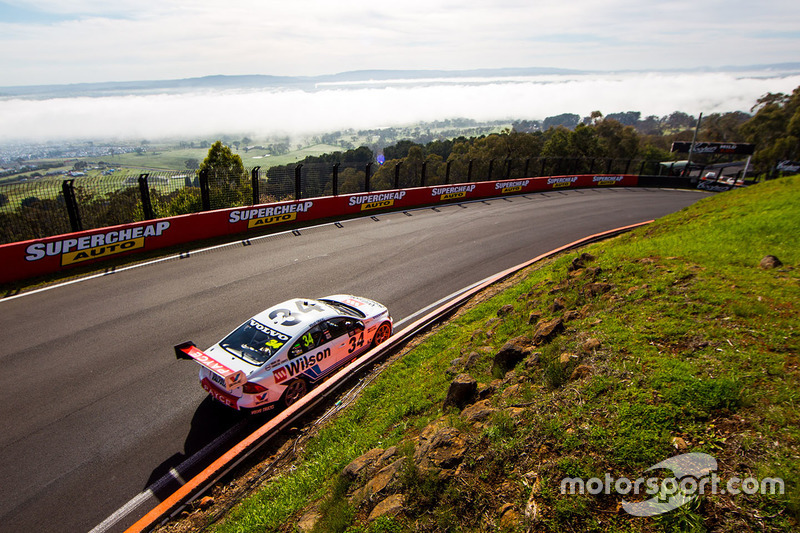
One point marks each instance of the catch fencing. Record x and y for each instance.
(40, 208)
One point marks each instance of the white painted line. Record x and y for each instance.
(122, 512)
(173, 475)
(437, 303)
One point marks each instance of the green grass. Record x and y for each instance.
(256, 159)
(175, 158)
(697, 343)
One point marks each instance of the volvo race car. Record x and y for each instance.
(276, 356)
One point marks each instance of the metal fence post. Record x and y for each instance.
(72, 205)
(422, 174)
(491, 166)
(254, 180)
(469, 172)
(298, 193)
(367, 173)
(508, 168)
(205, 195)
(335, 180)
(447, 172)
(144, 191)
(397, 174)
(527, 164)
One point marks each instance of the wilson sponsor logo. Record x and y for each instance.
(300, 364)
(281, 374)
(77, 249)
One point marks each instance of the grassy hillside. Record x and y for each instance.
(175, 158)
(665, 341)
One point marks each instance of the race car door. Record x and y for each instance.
(327, 346)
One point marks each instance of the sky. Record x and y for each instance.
(45, 42)
(73, 41)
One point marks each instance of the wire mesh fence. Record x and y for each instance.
(45, 207)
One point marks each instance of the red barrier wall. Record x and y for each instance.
(37, 257)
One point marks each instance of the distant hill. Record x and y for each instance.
(259, 81)
(311, 83)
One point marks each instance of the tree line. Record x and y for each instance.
(773, 125)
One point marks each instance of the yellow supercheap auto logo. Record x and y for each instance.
(376, 201)
(508, 187)
(101, 251)
(265, 216)
(452, 193)
(607, 180)
(77, 249)
(558, 183)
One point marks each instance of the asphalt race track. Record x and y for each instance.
(95, 407)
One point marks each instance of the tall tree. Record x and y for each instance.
(222, 161)
(226, 177)
(722, 127)
(775, 128)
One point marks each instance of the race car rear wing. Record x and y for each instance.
(188, 350)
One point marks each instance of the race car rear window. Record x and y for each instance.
(254, 342)
(345, 309)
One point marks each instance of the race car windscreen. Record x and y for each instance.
(254, 342)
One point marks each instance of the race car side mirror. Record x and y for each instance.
(180, 350)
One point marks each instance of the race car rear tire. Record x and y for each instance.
(383, 333)
(295, 390)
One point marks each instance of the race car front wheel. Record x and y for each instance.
(383, 333)
(294, 391)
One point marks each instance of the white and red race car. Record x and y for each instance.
(272, 359)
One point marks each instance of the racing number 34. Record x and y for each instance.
(356, 342)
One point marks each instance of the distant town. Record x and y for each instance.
(22, 162)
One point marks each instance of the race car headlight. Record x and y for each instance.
(253, 388)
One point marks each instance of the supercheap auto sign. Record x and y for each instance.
(37, 257)
(258, 217)
(77, 249)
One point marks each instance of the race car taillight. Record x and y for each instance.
(252, 388)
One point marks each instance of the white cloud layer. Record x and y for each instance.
(70, 41)
(296, 112)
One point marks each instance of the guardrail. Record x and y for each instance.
(196, 486)
(42, 206)
(46, 256)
